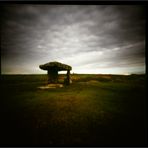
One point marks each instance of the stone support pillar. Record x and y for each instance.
(68, 77)
(52, 76)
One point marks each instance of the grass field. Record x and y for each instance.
(95, 110)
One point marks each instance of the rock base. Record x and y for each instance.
(51, 86)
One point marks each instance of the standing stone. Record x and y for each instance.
(52, 70)
(52, 76)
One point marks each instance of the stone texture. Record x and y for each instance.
(53, 68)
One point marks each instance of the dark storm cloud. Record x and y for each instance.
(82, 36)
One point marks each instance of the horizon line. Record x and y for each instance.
(73, 73)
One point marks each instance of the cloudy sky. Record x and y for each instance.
(92, 39)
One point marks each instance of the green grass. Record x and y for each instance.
(95, 110)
